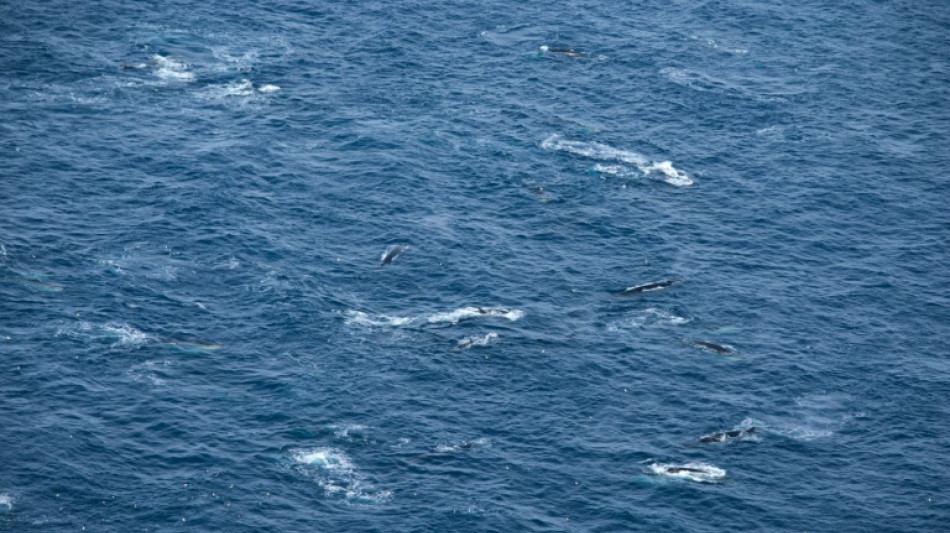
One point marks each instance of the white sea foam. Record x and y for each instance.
(647, 318)
(335, 473)
(454, 317)
(699, 472)
(673, 175)
(7, 501)
(794, 430)
(613, 170)
(715, 45)
(329, 459)
(359, 318)
(171, 69)
(149, 370)
(476, 341)
(602, 152)
(242, 63)
(127, 335)
(238, 88)
(348, 431)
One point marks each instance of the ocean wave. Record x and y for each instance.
(664, 170)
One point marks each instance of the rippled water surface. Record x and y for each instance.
(292, 266)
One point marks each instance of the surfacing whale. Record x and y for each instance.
(649, 287)
(683, 470)
(699, 472)
(391, 253)
(720, 349)
(724, 436)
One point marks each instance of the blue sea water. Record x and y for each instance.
(197, 332)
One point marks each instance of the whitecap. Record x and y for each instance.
(7, 501)
(268, 88)
(593, 150)
(698, 472)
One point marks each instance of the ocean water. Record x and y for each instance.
(198, 331)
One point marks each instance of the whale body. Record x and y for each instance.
(391, 253)
(649, 287)
(724, 436)
(719, 349)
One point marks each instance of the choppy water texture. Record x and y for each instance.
(199, 327)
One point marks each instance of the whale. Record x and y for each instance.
(649, 287)
(683, 470)
(471, 342)
(723, 436)
(719, 349)
(698, 472)
(391, 253)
